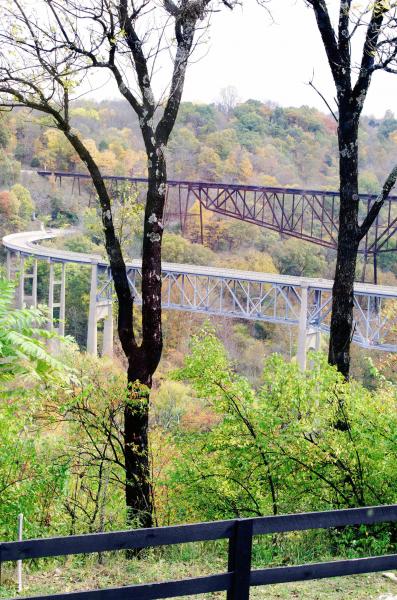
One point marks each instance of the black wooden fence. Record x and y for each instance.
(239, 577)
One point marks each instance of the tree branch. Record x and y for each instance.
(328, 36)
(369, 52)
(377, 205)
(323, 98)
(343, 34)
(135, 45)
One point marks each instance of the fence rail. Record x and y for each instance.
(239, 577)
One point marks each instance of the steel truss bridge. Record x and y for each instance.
(310, 215)
(303, 302)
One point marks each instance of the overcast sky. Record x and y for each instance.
(273, 61)
(265, 58)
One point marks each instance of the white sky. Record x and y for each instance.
(274, 61)
(264, 58)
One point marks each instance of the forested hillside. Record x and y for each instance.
(236, 429)
(251, 142)
(198, 301)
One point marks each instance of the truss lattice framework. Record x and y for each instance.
(285, 300)
(273, 298)
(310, 215)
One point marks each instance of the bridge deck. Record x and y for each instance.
(27, 243)
(269, 297)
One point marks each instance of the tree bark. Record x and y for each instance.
(144, 360)
(348, 241)
(138, 489)
(151, 259)
(350, 100)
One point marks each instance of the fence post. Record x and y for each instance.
(19, 562)
(240, 550)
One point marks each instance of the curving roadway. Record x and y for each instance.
(269, 297)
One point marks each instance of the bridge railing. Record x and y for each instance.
(238, 578)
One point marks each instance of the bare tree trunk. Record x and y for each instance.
(151, 260)
(138, 493)
(348, 241)
(144, 359)
(378, 52)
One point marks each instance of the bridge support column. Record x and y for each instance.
(107, 346)
(9, 265)
(317, 345)
(62, 303)
(30, 298)
(313, 339)
(51, 298)
(21, 284)
(92, 336)
(34, 284)
(302, 332)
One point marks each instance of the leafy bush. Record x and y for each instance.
(177, 249)
(26, 204)
(22, 344)
(32, 472)
(9, 170)
(303, 441)
(294, 257)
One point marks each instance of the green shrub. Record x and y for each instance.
(303, 441)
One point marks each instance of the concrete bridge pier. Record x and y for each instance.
(16, 264)
(51, 303)
(313, 342)
(9, 269)
(34, 284)
(99, 309)
(60, 305)
(107, 348)
(30, 299)
(20, 297)
(62, 300)
(302, 328)
(309, 338)
(313, 339)
(92, 333)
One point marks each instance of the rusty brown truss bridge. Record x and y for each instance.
(310, 215)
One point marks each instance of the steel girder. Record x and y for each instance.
(272, 298)
(273, 301)
(310, 215)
